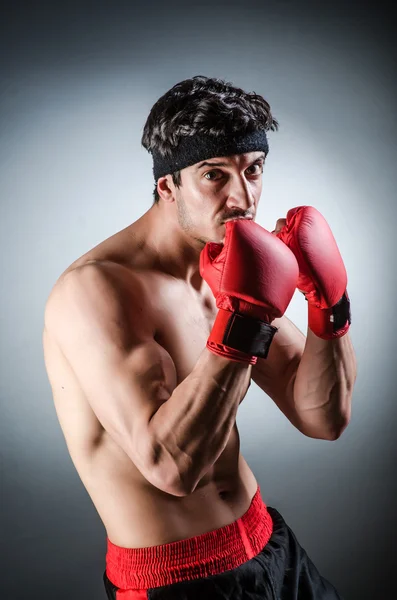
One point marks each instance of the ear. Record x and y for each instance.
(165, 188)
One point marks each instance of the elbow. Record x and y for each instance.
(335, 432)
(175, 484)
(333, 435)
(163, 473)
(171, 486)
(326, 429)
(339, 416)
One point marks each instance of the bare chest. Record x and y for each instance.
(184, 323)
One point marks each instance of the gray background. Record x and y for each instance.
(76, 87)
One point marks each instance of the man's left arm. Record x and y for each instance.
(310, 379)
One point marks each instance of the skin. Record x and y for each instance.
(148, 413)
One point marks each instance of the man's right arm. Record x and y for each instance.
(172, 433)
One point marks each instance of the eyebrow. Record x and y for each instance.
(223, 164)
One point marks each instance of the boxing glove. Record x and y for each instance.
(322, 273)
(253, 276)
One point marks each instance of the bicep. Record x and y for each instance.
(124, 374)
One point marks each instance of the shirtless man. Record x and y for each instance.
(151, 340)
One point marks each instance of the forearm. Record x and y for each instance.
(191, 429)
(323, 386)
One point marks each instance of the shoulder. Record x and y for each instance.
(103, 289)
(94, 270)
(122, 249)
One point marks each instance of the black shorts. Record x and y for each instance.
(200, 568)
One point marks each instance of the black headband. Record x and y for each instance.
(193, 149)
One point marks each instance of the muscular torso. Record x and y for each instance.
(134, 512)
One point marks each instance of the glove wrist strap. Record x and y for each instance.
(330, 323)
(240, 336)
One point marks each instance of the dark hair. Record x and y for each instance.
(203, 105)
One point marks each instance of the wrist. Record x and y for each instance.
(240, 337)
(330, 323)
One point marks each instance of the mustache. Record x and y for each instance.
(237, 215)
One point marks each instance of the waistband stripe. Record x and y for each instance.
(207, 554)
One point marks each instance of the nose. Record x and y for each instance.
(240, 195)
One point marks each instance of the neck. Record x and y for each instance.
(175, 251)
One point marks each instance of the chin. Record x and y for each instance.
(217, 235)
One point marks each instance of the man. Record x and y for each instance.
(151, 340)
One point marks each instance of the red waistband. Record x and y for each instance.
(207, 554)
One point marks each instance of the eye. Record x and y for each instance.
(212, 175)
(255, 169)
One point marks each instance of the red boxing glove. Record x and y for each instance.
(253, 277)
(322, 274)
